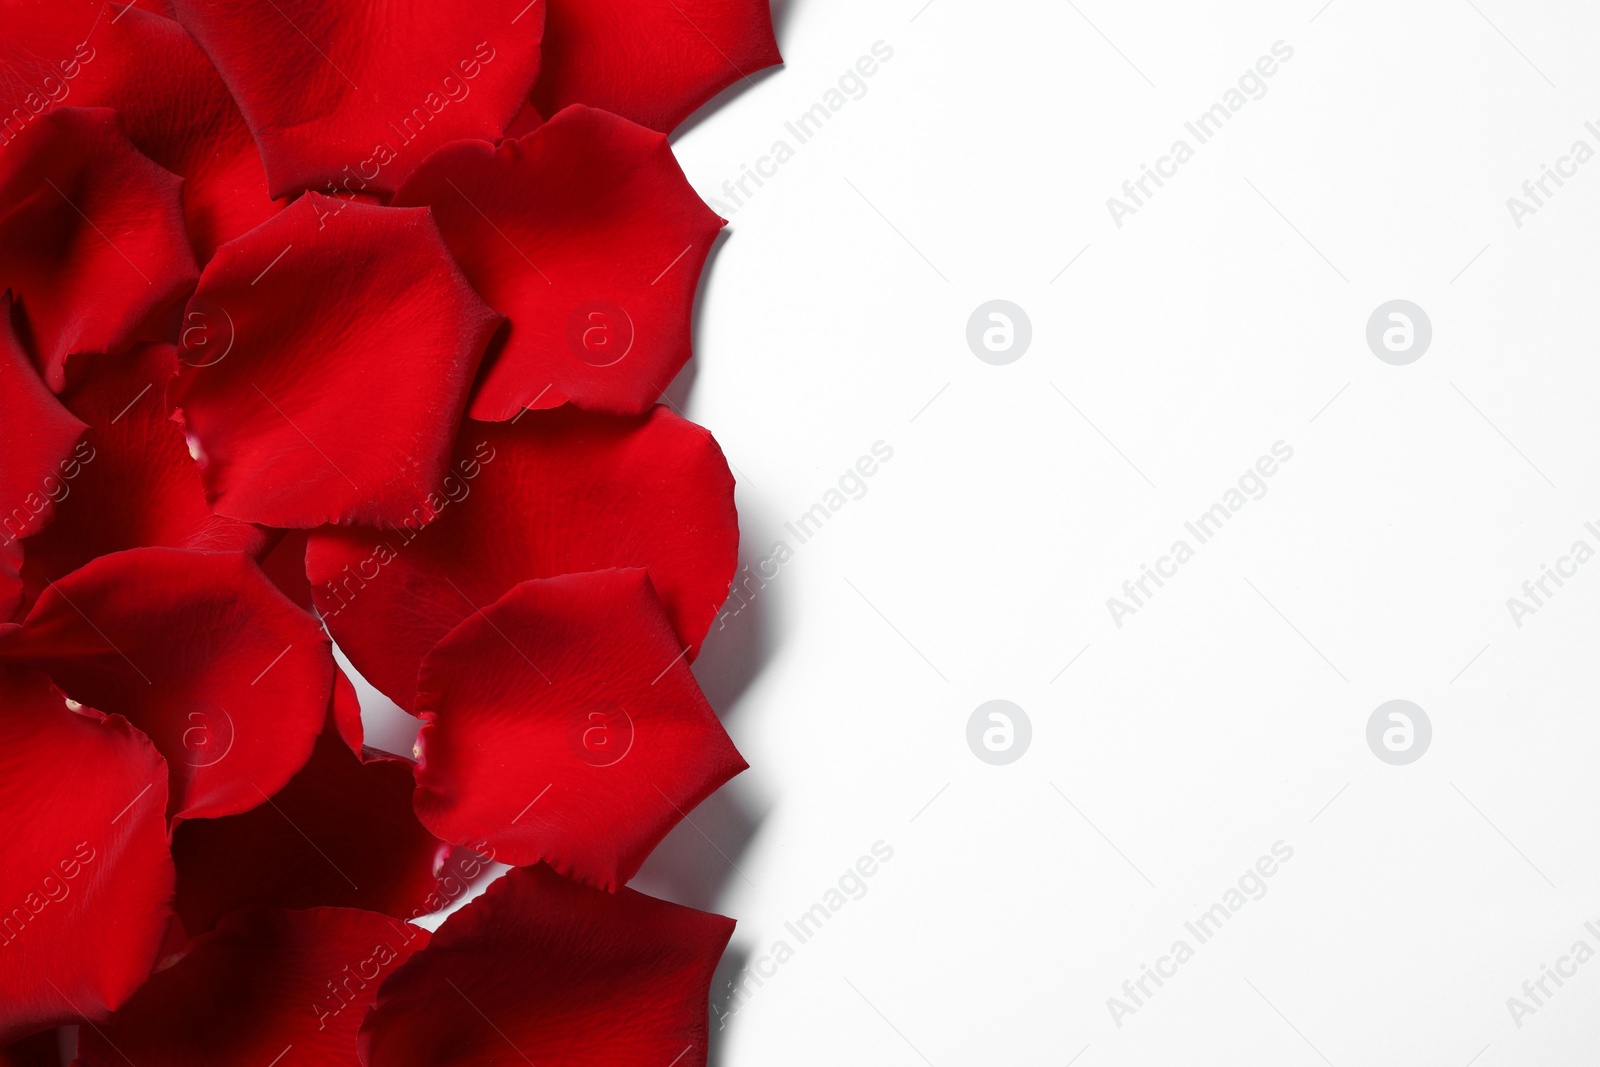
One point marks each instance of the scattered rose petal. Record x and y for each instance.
(342, 410)
(130, 483)
(358, 94)
(86, 891)
(652, 61)
(542, 970)
(562, 725)
(341, 833)
(551, 493)
(91, 237)
(230, 680)
(264, 983)
(587, 235)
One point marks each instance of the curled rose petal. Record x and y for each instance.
(568, 975)
(264, 983)
(652, 61)
(551, 493)
(91, 237)
(341, 833)
(227, 677)
(562, 725)
(131, 482)
(170, 99)
(85, 880)
(587, 235)
(37, 437)
(355, 94)
(343, 410)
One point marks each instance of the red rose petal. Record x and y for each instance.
(342, 410)
(565, 975)
(230, 680)
(37, 436)
(586, 233)
(170, 99)
(91, 237)
(652, 61)
(346, 713)
(358, 94)
(86, 882)
(562, 725)
(552, 493)
(262, 984)
(131, 482)
(177, 111)
(341, 833)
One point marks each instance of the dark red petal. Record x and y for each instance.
(37, 436)
(91, 237)
(358, 94)
(652, 61)
(341, 833)
(85, 878)
(262, 984)
(285, 564)
(10, 580)
(230, 680)
(552, 493)
(170, 99)
(549, 972)
(131, 482)
(41, 1050)
(563, 726)
(587, 235)
(344, 409)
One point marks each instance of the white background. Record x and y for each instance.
(1230, 712)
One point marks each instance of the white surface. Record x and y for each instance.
(1206, 728)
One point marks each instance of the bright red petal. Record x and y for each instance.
(230, 680)
(344, 409)
(341, 833)
(37, 436)
(358, 93)
(85, 877)
(131, 483)
(265, 986)
(563, 726)
(652, 61)
(541, 970)
(552, 493)
(91, 237)
(588, 236)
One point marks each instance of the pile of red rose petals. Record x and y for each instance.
(343, 320)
